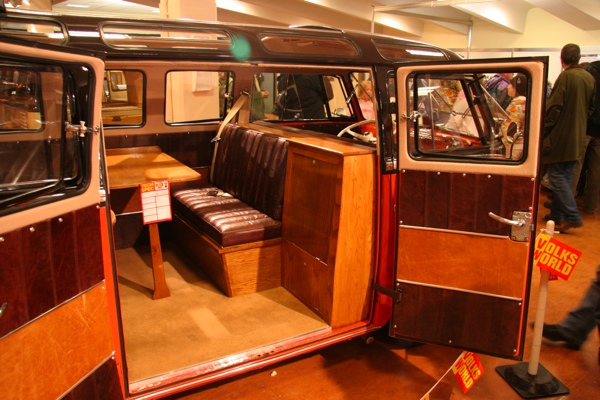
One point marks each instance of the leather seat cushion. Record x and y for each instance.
(227, 220)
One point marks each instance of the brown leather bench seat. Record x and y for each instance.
(227, 220)
(244, 223)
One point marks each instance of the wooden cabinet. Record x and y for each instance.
(328, 229)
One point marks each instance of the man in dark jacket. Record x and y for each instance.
(567, 111)
(591, 194)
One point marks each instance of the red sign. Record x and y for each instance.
(555, 257)
(156, 201)
(467, 369)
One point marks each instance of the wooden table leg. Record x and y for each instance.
(161, 289)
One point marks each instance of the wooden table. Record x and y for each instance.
(128, 168)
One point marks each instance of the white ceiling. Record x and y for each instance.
(391, 16)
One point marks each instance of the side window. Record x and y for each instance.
(474, 115)
(40, 160)
(298, 97)
(195, 96)
(122, 98)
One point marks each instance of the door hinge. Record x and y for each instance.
(394, 294)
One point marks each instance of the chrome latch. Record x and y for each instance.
(520, 225)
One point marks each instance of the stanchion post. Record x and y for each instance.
(532, 380)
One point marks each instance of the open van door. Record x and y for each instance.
(468, 188)
(55, 319)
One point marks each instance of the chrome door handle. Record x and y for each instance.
(518, 223)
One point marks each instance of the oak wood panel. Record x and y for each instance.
(78, 332)
(462, 260)
(312, 197)
(337, 206)
(129, 167)
(317, 140)
(309, 279)
(236, 270)
(254, 269)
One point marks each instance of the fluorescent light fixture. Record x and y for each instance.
(77, 6)
(425, 53)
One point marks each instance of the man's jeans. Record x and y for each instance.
(564, 207)
(584, 318)
(591, 194)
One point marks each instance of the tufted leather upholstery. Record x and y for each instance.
(250, 166)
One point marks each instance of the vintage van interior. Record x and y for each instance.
(237, 294)
(211, 320)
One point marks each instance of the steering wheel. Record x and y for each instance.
(368, 137)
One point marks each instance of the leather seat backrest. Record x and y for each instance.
(251, 165)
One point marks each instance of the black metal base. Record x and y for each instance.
(543, 384)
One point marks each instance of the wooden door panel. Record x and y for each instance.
(459, 319)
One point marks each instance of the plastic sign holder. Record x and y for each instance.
(155, 197)
(532, 380)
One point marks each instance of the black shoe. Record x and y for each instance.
(552, 333)
(566, 225)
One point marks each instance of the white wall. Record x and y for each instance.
(544, 35)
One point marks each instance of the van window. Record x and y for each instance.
(469, 116)
(122, 98)
(298, 97)
(127, 36)
(40, 160)
(207, 96)
(281, 43)
(405, 53)
(38, 30)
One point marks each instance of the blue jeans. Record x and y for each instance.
(584, 318)
(564, 207)
(591, 195)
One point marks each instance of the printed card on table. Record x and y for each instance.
(156, 201)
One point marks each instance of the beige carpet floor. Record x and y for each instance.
(197, 323)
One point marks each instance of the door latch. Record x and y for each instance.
(520, 225)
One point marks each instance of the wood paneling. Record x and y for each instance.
(464, 261)
(101, 384)
(193, 149)
(48, 263)
(77, 332)
(461, 202)
(328, 230)
(464, 320)
(236, 270)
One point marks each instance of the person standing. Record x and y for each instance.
(570, 105)
(497, 87)
(591, 192)
(574, 329)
